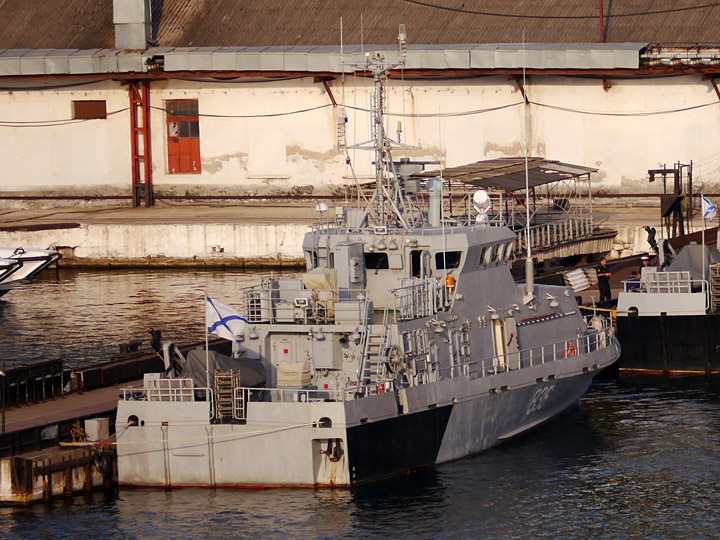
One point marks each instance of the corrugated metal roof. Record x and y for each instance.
(87, 24)
(306, 22)
(508, 174)
(56, 24)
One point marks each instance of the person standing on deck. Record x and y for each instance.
(603, 276)
(651, 236)
(666, 253)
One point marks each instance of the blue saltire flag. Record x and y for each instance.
(708, 209)
(224, 321)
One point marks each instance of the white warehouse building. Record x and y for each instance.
(145, 101)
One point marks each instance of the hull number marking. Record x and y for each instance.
(539, 399)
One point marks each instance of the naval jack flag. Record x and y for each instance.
(708, 209)
(224, 321)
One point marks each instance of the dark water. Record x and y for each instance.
(637, 459)
(83, 316)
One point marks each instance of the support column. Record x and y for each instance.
(140, 144)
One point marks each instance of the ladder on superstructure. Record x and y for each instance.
(225, 384)
(372, 368)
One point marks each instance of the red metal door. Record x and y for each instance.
(183, 133)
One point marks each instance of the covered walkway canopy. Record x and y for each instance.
(508, 174)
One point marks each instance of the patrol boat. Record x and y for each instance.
(406, 344)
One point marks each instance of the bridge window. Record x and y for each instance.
(448, 259)
(509, 248)
(485, 255)
(377, 261)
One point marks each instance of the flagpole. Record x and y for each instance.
(703, 251)
(708, 209)
(702, 211)
(207, 348)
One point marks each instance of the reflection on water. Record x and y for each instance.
(638, 458)
(633, 460)
(83, 316)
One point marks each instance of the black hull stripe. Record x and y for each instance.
(397, 445)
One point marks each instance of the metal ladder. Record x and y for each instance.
(226, 381)
(374, 350)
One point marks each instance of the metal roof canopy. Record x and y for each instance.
(508, 174)
(323, 59)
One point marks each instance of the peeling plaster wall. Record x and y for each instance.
(65, 153)
(249, 145)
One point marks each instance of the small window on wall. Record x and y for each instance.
(183, 133)
(89, 109)
(451, 258)
(377, 261)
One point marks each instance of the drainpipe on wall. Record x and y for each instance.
(133, 26)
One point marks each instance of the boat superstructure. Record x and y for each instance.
(405, 344)
(20, 264)
(668, 320)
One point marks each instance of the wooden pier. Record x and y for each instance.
(34, 464)
(43, 450)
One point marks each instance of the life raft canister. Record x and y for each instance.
(450, 283)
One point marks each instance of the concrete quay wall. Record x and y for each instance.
(230, 245)
(201, 244)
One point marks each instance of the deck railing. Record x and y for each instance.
(419, 298)
(171, 391)
(553, 233)
(488, 367)
(551, 352)
(268, 303)
(666, 282)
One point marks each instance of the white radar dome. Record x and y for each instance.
(482, 204)
(481, 200)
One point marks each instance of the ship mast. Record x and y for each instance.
(378, 130)
(387, 205)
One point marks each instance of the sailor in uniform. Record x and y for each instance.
(645, 262)
(603, 275)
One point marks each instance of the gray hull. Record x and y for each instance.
(285, 444)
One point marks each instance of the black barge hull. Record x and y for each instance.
(670, 345)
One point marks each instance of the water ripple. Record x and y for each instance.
(637, 459)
